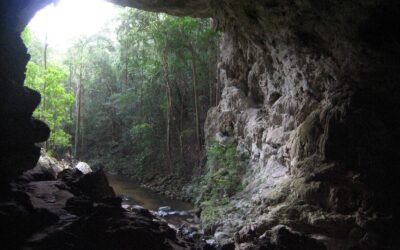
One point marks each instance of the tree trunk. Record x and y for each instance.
(81, 120)
(143, 114)
(45, 52)
(210, 86)
(44, 107)
(169, 107)
(196, 104)
(71, 90)
(210, 82)
(181, 110)
(180, 131)
(217, 82)
(78, 115)
(126, 64)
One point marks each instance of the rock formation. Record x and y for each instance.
(311, 96)
(76, 211)
(83, 167)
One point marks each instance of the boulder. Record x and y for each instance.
(223, 238)
(284, 238)
(49, 168)
(70, 175)
(79, 205)
(164, 209)
(50, 165)
(95, 185)
(140, 210)
(83, 167)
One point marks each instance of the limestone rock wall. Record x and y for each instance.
(311, 96)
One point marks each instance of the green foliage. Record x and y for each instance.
(224, 173)
(125, 97)
(222, 180)
(212, 212)
(120, 84)
(142, 130)
(35, 47)
(26, 36)
(49, 81)
(55, 101)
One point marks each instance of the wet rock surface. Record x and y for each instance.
(78, 211)
(179, 215)
(299, 101)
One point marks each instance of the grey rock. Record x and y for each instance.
(164, 209)
(48, 164)
(83, 167)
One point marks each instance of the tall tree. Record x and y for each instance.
(78, 114)
(48, 79)
(140, 99)
(164, 62)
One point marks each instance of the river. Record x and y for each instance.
(133, 194)
(180, 215)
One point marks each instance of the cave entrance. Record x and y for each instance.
(123, 89)
(64, 41)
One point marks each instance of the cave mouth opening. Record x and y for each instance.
(56, 38)
(122, 88)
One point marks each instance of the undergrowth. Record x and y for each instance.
(223, 179)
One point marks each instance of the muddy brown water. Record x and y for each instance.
(134, 194)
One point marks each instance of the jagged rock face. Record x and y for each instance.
(195, 8)
(18, 130)
(311, 96)
(77, 211)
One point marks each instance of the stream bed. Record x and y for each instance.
(177, 213)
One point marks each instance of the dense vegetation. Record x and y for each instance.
(222, 179)
(132, 98)
(47, 78)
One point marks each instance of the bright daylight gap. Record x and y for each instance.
(70, 19)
